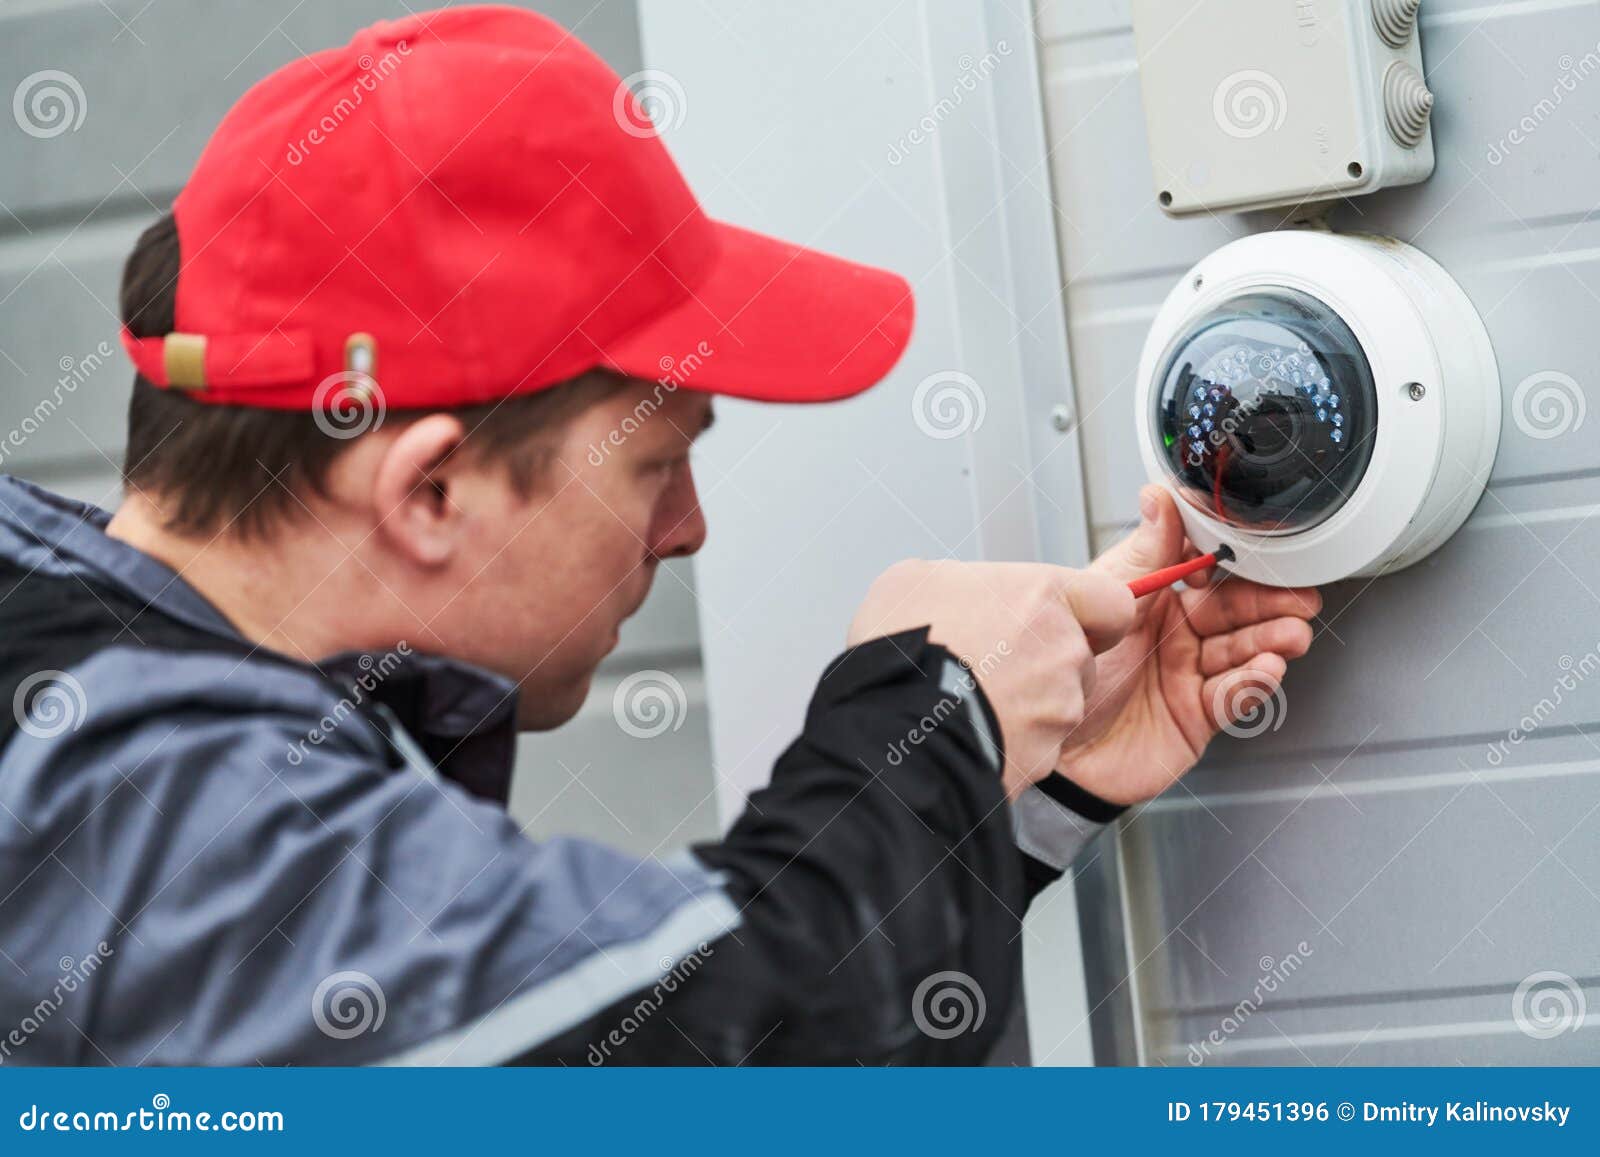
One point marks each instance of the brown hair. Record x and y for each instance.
(214, 468)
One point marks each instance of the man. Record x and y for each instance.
(397, 469)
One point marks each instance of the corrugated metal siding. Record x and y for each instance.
(1428, 872)
(155, 80)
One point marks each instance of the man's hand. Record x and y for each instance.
(1028, 632)
(1193, 661)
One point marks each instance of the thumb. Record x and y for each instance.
(1155, 543)
(1102, 605)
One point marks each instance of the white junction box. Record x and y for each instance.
(1251, 104)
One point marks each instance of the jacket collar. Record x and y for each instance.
(461, 715)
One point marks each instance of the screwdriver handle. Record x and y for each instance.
(1161, 579)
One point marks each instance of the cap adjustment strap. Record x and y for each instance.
(229, 361)
(183, 356)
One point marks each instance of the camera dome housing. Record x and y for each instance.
(1265, 410)
(1328, 406)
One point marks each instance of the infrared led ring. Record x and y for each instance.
(1266, 412)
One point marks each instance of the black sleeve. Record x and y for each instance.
(880, 891)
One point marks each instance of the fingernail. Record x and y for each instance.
(1147, 504)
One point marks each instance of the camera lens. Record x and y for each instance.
(1266, 411)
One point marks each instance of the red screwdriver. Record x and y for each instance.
(1161, 579)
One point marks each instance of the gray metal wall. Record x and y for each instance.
(1428, 872)
(154, 80)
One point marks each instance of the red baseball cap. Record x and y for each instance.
(469, 204)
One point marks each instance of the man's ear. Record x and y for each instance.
(411, 490)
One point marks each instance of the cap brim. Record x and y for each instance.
(778, 323)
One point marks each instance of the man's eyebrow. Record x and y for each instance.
(688, 436)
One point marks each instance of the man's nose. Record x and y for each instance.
(690, 536)
(682, 526)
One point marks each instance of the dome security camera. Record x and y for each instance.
(1326, 405)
